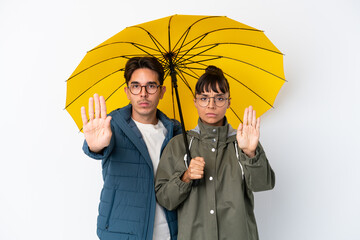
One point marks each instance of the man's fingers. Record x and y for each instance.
(83, 116)
(107, 122)
(97, 105)
(91, 108)
(103, 107)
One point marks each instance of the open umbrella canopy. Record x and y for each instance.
(250, 62)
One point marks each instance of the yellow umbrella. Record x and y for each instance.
(187, 44)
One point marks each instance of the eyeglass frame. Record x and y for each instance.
(145, 86)
(215, 102)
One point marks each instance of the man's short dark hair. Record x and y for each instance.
(144, 62)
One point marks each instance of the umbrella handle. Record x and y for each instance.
(187, 160)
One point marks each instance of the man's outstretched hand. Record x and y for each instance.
(97, 130)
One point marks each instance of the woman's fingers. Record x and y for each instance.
(250, 115)
(254, 118)
(196, 168)
(240, 127)
(245, 119)
(249, 118)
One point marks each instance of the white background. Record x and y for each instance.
(50, 190)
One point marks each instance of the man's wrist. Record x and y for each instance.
(97, 151)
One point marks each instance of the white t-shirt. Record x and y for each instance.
(154, 136)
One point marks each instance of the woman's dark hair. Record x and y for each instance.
(144, 62)
(212, 78)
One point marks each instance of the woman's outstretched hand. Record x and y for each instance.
(248, 132)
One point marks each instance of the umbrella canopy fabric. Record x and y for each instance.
(250, 62)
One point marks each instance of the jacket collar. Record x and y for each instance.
(124, 121)
(226, 131)
(127, 125)
(126, 111)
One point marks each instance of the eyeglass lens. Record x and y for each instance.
(149, 88)
(219, 101)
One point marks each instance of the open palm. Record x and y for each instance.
(248, 132)
(97, 130)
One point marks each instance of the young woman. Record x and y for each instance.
(230, 164)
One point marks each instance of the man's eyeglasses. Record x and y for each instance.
(204, 101)
(150, 88)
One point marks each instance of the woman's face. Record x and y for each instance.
(212, 114)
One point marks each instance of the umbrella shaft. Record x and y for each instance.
(174, 81)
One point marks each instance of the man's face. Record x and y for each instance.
(144, 105)
(212, 114)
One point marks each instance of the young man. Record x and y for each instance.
(230, 164)
(129, 143)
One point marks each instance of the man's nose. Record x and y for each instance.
(143, 91)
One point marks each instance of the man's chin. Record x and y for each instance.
(145, 110)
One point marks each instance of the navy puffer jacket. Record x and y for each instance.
(127, 202)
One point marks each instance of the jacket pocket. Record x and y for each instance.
(107, 204)
(118, 236)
